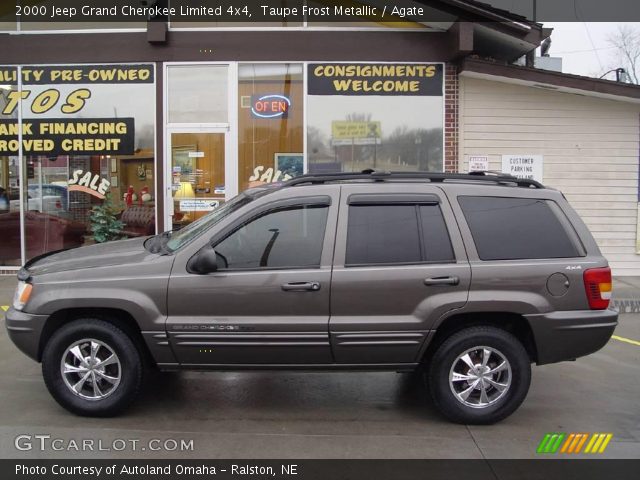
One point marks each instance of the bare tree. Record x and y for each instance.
(626, 41)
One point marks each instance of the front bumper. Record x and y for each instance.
(25, 330)
(568, 335)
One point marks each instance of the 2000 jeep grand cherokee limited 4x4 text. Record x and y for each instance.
(471, 277)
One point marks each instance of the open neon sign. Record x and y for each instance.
(270, 106)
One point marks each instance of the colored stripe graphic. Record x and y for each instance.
(598, 443)
(582, 441)
(543, 443)
(572, 443)
(551, 442)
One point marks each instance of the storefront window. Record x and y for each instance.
(270, 123)
(381, 116)
(9, 175)
(87, 134)
(198, 94)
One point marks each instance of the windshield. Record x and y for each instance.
(177, 240)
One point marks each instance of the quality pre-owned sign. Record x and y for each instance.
(63, 136)
(78, 74)
(375, 79)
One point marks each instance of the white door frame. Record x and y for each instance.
(229, 128)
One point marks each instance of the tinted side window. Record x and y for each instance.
(391, 234)
(515, 228)
(380, 234)
(435, 235)
(286, 238)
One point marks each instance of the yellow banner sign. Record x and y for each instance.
(342, 130)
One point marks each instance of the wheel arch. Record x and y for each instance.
(514, 323)
(118, 317)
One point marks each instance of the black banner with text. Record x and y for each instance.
(62, 136)
(252, 469)
(375, 79)
(293, 12)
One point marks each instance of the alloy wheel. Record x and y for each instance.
(480, 376)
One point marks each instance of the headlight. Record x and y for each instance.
(21, 297)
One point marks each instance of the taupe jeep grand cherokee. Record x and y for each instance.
(470, 277)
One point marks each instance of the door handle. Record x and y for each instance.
(301, 286)
(437, 281)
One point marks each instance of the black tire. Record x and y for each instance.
(129, 368)
(503, 403)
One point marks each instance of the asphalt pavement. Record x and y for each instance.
(326, 415)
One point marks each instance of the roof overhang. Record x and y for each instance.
(497, 33)
(549, 80)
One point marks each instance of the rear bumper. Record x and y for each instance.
(568, 335)
(24, 330)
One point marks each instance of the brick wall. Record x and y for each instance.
(450, 118)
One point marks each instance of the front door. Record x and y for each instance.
(197, 184)
(268, 302)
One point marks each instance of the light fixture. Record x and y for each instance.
(185, 191)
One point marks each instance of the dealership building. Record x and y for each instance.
(167, 119)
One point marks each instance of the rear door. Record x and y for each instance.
(399, 264)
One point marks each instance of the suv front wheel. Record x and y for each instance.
(479, 375)
(92, 368)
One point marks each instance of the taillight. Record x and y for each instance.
(58, 204)
(597, 285)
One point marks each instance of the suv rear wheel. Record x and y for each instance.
(479, 375)
(92, 368)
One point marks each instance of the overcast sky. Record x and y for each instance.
(584, 48)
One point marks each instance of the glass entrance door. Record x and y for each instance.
(197, 182)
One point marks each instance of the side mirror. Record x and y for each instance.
(203, 262)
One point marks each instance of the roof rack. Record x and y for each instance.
(434, 177)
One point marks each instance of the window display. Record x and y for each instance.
(381, 116)
(10, 241)
(87, 133)
(270, 123)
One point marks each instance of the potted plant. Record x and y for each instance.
(105, 225)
